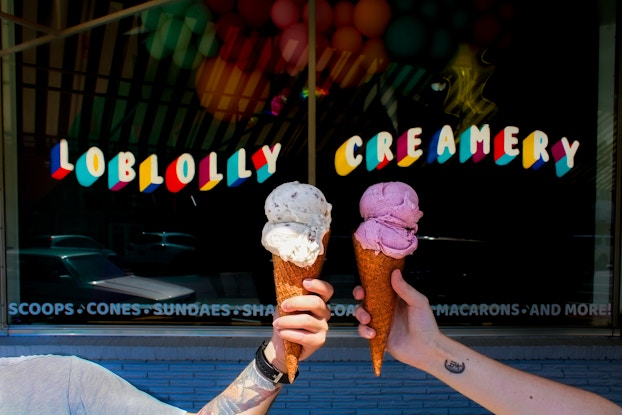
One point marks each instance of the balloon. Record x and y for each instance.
(175, 34)
(208, 43)
(293, 44)
(256, 54)
(227, 92)
(255, 13)
(375, 56)
(342, 13)
(153, 18)
(405, 37)
(197, 16)
(188, 58)
(229, 26)
(156, 47)
(371, 17)
(220, 6)
(176, 9)
(323, 15)
(284, 13)
(347, 39)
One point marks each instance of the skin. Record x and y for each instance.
(415, 339)
(252, 394)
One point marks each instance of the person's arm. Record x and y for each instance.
(251, 392)
(416, 340)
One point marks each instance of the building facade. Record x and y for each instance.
(141, 138)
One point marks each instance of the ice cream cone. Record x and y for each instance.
(375, 270)
(288, 279)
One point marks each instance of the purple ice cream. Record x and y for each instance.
(390, 214)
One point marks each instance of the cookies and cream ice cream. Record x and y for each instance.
(298, 218)
(296, 234)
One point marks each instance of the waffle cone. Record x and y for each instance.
(288, 279)
(375, 270)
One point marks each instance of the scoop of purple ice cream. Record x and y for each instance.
(391, 214)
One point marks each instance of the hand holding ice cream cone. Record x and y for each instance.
(297, 235)
(382, 241)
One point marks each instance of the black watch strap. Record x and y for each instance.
(273, 374)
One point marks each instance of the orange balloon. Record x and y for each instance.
(284, 13)
(375, 56)
(342, 13)
(347, 39)
(227, 92)
(371, 17)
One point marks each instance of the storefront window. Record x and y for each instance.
(141, 139)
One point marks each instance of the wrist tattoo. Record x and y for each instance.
(454, 367)
(247, 391)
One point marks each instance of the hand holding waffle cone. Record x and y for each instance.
(382, 241)
(297, 235)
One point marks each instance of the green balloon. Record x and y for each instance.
(196, 17)
(208, 42)
(175, 34)
(176, 9)
(190, 58)
(152, 18)
(405, 37)
(156, 47)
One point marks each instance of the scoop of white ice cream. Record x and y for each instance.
(298, 218)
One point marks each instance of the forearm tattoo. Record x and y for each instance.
(247, 391)
(454, 367)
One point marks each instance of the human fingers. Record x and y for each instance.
(362, 315)
(406, 291)
(305, 329)
(320, 287)
(358, 293)
(313, 304)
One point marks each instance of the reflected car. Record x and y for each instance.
(80, 242)
(163, 249)
(72, 275)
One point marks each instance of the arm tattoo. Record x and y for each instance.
(454, 367)
(247, 391)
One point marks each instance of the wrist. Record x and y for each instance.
(272, 354)
(267, 369)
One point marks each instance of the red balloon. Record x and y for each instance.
(230, 26)
(255, 13)
(220, 6)
(284, 13)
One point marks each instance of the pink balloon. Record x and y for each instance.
(293, 44)
(284, 13)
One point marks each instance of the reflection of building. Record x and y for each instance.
(201, 128)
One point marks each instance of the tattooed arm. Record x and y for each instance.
(251, 393)
(416, 340)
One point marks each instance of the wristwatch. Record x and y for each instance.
(273, 374)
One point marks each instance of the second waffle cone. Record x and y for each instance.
(288, 279)
(375, 270)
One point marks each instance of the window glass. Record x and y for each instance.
(160, 134)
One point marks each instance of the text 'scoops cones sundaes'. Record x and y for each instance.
(382, 241)
(296, 234)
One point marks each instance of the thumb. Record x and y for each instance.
(406, 291)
